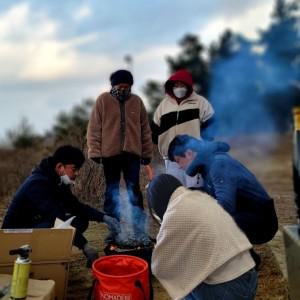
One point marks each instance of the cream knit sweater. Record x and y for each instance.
(196, 239)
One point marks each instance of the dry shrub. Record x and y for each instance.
(15, 166)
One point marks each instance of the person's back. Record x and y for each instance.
(199, 249)
(241, 181)
(230, 183)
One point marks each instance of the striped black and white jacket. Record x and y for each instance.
(191, 116)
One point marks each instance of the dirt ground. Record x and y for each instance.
(269, 157)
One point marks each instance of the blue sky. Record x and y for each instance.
(54, 54)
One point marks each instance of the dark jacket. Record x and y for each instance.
(237, 190)
(42, 198)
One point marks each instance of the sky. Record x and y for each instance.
(54, 54)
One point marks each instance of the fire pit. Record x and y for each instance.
(143, 251)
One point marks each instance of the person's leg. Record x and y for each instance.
(112, 174)
(131, 172)
(242, 288)
(173, 169)
(190, 297)
(81, 225)
(248, 222)
(259, 225)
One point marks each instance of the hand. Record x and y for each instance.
(112, 224)
(145, 161)
(97, 160)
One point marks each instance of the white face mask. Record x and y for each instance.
(179, 92)
(65, 179)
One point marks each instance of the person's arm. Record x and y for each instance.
(224, 183)
(78, 208)
(208, 129)
(155, 125)
(94, 131)
(207, 120)
(147, 145)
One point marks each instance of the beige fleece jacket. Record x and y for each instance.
(107, 137)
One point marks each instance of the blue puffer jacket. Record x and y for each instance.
(41, 199)
(236, 189)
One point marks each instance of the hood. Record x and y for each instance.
(183, 76)
(160, 191)
(205, 153)
(46, 168)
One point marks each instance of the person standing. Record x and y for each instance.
(119, 136)
(200, 252)
(182, 111)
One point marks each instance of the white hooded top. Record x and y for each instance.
(198, 241)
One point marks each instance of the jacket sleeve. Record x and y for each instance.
(147, 145)
(94, 130)
(208, 129)
(207, 120)
(224, 183)
(78, 208)
(155, 125)
(206, 111)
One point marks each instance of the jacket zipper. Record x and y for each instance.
(122, 124)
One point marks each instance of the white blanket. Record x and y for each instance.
(197, 236)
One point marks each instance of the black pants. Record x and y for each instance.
(129, 165)
(260, 224)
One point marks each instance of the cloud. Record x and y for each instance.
(82, 12)
(30, 49)
(151, 63)
(245, 23)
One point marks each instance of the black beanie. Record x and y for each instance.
(159, 192)
(68, 155)
(121, 76)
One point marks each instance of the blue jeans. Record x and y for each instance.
(241, 288)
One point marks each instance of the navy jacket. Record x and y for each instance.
(42, 198)
(236, 189)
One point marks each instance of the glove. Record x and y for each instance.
(112, 224)
(91, 255)
(97, 160)
(145, 161)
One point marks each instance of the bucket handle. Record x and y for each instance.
(90, 294)
(139, 285)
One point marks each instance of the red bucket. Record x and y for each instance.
(121, 277)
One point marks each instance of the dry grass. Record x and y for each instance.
(269, 158)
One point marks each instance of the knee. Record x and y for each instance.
(81, 224)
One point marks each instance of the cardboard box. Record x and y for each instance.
(51, 254)
(37, 289)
